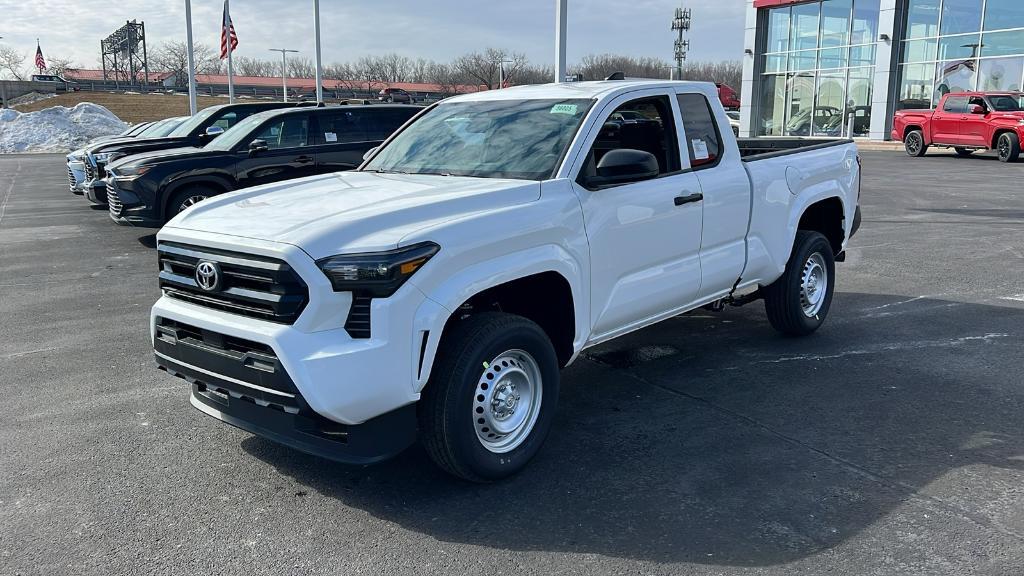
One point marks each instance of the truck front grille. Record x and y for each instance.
(90, 172)
(253, 286)
(72, 182)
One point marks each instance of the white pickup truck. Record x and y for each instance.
(438, 290)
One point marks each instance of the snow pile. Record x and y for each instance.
(30, 98)
(56, 129)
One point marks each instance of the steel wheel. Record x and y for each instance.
(508, 399)
(813, 284)
(190, 201)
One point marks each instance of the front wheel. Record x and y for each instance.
(491, 397)
(914, 144)
(187, 198)
(1008, 147)
(798, 302)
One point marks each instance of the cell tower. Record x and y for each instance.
(681, 24)
(124, 54)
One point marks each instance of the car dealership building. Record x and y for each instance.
(811, 65)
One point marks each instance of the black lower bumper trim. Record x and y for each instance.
(856, 222)
(372, 441)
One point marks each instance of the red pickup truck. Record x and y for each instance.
(966, 122)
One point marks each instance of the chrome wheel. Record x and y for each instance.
(813, 284)
(507, 403)
(190, 201)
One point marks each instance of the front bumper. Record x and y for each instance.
(333, 379)
(95, 192)
(127, 208)
(76, 176)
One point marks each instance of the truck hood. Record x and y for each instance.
(350, 212)
(140, 144)
(153, 156)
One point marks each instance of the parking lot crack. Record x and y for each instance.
(10, 191)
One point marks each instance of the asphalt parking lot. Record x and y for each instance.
(891, 442)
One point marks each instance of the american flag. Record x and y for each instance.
(227, 30)
(40, 63)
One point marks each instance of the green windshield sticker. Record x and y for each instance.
(564, 109)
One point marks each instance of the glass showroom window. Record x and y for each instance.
(960, 45)
(818, 65)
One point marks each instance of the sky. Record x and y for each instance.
(434, 29)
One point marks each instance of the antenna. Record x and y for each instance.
(681, 24)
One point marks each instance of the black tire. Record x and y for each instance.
(914, 144)
(963, 152)
(177, 202)
(448, 419)
(784, 298)
(1008, 146)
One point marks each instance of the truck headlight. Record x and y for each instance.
(378, 274)
(129, 172)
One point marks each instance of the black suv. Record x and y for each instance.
(149, 189)
(198, 130)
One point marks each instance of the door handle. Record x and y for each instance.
(680, 200)
(304, 159)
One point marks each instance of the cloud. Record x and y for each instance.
(440, 30)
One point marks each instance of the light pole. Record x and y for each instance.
(560, 28)
(191, 59)
(319, 69)
(284, 68)
(501, 72)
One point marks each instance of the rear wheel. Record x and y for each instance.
(491, 397)
(798, 302)
(1008, 147)
(187, 198)
(963, 152)
(914, 144)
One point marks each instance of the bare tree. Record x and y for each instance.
(600, 66)
(248, 66)
(12, 63)
(59, 66)
(173, 57)
(482, 67)
(728, 72)
(299, 67)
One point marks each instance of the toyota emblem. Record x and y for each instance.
(208, 275)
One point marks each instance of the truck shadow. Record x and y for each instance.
(709, 439)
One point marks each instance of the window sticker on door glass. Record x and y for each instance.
(700, 149)
(563, 109)
(330, 137)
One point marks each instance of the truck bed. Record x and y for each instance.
(754, 149)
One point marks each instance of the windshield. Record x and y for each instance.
(192, 123)
(232, 136)
(522, 139)
(166, 127)
(1007, 102)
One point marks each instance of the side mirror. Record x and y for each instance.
(212, 132)
(370, 152)
(622, 166)
(977, 109)
(257, 146)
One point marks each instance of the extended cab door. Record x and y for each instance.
(344, 136)
(714, 158)
(644, 235)
(946, 120)
(287, 154)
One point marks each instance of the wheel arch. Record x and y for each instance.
(826, 216)
(911, 127)
(998, 133)
(221, 185)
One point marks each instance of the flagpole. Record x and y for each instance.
(231, 71)
(191, 59)
(319, 70)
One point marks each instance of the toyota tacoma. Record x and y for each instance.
(437, 291)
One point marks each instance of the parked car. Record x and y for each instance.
(734, 121)
(394, 95)
(58, 81)
(438, 289)
(198, 130)
(729, 97)
(966, 122)
(77, 159)
(825, 121)
(148, 189)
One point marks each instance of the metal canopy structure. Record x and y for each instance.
(124, 54)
